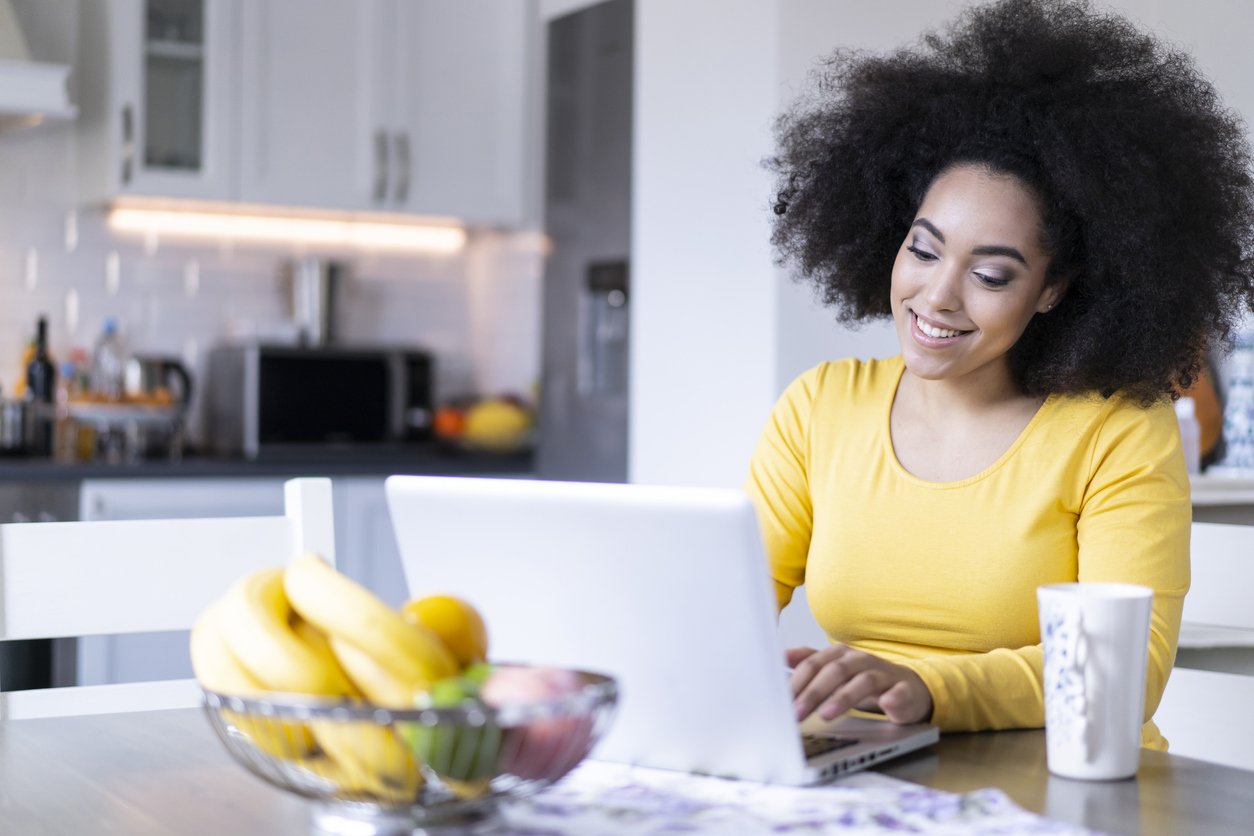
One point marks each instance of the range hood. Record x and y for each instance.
(31, 92)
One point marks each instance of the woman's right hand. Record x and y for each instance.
(838, 678)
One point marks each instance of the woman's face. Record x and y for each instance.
(969, 276)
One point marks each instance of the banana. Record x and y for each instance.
(332, 638)
(257, 625)
(319, 643)
(379, 686)
(370, 760)
(218, 670)
(349, 613)
(212, 662)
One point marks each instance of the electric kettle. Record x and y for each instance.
(160, 381)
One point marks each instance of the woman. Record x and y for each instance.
(1057, 215)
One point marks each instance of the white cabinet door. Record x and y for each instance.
(163, 499)
(157, 98)
(459, 108)
(307, 111)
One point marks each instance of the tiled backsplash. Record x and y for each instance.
(478, 311)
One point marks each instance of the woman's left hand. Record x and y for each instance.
(838, 678)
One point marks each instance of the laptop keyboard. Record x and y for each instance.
(821, 744)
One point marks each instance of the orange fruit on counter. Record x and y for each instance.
(455, 621)
(449, 422)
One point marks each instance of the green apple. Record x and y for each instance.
(464, 753)
(478, 673)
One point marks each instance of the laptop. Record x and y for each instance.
(664, 588)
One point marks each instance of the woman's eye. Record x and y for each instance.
(992, 281)
(921, 255)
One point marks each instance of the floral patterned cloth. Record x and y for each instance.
(605, 798)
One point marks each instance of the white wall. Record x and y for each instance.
(703, 330)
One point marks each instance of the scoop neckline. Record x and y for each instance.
(1001, 460)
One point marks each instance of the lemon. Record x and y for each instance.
(496, 424)
(458, 625)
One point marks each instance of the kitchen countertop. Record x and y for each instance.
(416, 459)
(1211, 488)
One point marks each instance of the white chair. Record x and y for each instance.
(137, 576)
(1205, 714)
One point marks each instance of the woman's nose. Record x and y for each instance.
(943, 288)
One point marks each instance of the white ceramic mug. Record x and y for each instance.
(1095, 637)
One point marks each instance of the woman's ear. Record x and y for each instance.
(1051, 296)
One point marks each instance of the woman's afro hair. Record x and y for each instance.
(1144, 178)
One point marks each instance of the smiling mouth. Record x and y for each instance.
(935, 332)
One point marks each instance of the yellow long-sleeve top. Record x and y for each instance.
(942, 576)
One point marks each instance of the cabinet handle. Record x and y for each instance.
(380, 166)
(403, 164)
(128, 143)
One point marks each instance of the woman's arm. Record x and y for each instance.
(778, 485)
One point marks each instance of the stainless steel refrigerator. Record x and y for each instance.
(587, 293)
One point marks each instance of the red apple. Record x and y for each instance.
(543, 749)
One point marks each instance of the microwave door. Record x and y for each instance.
(337, 401)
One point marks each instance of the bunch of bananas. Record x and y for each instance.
(307, 629)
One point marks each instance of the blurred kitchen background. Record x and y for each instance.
(525, 238)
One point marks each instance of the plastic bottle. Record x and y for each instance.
(1190, 434)
(108, 370)
(65, 430)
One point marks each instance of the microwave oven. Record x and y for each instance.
(269, 400)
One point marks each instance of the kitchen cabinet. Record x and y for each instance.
(1222, 499)
(306, 104)
(156, 99)
(382, 105)
(452, 92)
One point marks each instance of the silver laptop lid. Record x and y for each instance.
(664, 588)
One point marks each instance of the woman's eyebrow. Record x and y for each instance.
(930, 227)
(994, 249)
(988, 249)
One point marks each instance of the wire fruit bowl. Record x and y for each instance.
(382, 771)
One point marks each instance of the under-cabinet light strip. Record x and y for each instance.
(289, 230)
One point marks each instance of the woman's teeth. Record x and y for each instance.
(936, 332)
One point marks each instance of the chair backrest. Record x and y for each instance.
(135, 576)
(1205, 713)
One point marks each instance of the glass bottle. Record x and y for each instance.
(41, 378)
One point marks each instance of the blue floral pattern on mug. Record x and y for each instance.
(1066, 651)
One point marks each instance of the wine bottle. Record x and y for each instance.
(41, 380)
